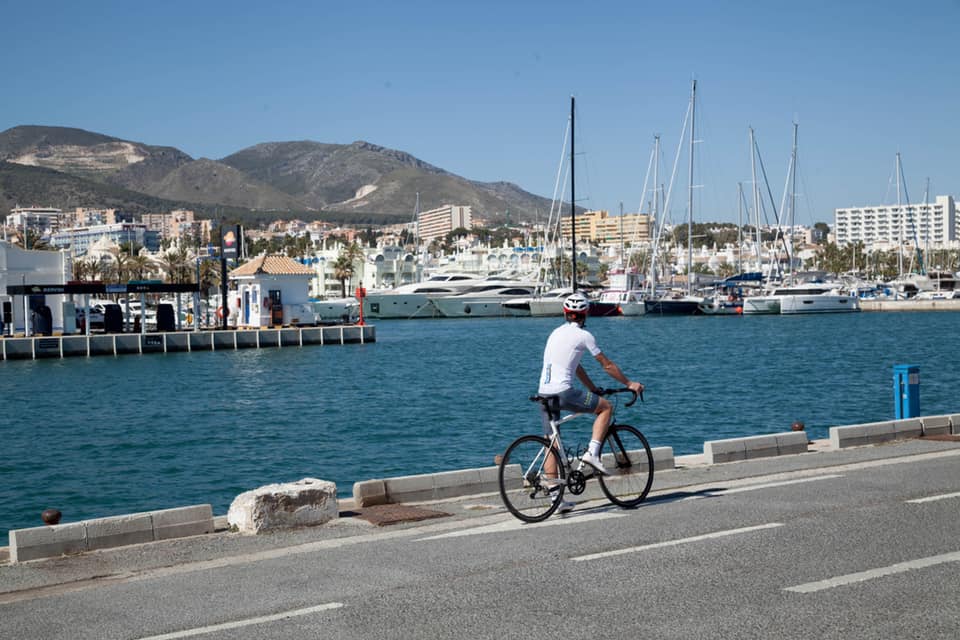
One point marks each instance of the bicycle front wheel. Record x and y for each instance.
(532, 479)
(627, 457)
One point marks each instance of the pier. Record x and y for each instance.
(913, 304)
(32, 348)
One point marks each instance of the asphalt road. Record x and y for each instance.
(857, 544)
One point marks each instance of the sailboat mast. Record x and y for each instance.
(899, 223)
(573, 201)
(693, 106)
(656, 215)
(793, 197)
(739, 227)
(756, 200)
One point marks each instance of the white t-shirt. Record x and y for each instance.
(561, 357)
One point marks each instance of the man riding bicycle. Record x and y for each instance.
(561, 362)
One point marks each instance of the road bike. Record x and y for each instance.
(535, 471)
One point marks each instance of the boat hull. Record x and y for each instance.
(403, 305)
(823, 303)
(673, 307)
(761, 305)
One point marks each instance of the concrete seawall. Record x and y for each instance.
(136, 343)
(910, 305)
(102, 533)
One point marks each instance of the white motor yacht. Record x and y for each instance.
(802, 298)
(549, 303)
(413, 300)
(484, 299)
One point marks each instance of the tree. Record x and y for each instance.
(177, 266)
(140, 267)
(344, 266)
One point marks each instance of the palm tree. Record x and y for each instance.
(140, 267)
(344, 267)
(176, 264)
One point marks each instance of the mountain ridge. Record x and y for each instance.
(348, 181)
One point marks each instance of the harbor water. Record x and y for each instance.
(102, 436)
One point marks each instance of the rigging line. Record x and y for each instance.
(646, 180)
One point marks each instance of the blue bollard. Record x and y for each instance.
(906, 391)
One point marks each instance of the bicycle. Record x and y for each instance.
(533, 474)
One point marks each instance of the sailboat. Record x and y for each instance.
(678, 303)
(792, 296)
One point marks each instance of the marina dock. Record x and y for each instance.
(32, 348)
(910, 305)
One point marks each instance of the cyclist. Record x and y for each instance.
(561, 363)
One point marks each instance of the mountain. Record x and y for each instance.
(359, 182)
(29, 186)
(210, 182)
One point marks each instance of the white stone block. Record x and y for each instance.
(117, 531)
(861, 434)
(764, 446)
(182, 521)
(369, 493)
(307, 502)
(725, 450)
(792, 442)
(935, 425)
(907, 428)
(47, 542)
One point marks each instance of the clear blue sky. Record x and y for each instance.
(482, 89)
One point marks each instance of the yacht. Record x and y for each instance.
(413, 300)
(675, 304)
(549, 303)
(802, 298)
(623, 297)
(484, 299)
(618, 302)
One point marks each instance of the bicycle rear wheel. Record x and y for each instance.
(525, 487)
(627, 457)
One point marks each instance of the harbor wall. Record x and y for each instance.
(910, 305)
(32, 348)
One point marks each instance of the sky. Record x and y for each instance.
(482, 89)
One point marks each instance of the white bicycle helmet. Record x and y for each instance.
(576, 303)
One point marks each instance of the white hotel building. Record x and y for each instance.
(932, 224)
(437, 223)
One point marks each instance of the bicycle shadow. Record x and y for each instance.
(665, 498)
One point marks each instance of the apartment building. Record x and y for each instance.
(438, 222)
(79, 239)
(41, 220)
(929, 224)
(176, 224)
(605, 230)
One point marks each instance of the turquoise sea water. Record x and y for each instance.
(102, 436)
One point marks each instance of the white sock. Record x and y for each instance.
(594, 448)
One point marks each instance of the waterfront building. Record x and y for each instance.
(177, 224)
(605, 230)
(21, 267)
(79, 239)
(927, 224)
(40, 220)
(271, 290)
(438, 222)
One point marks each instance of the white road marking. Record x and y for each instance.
(768, 485)
(674, 543)
(862, 576)
(245, 623)
(513, 524)
(942, 496)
